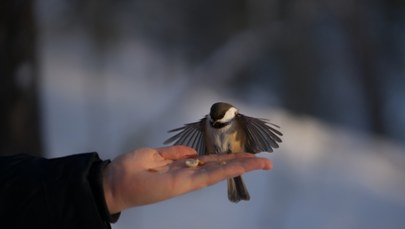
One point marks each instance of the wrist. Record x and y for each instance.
(109, 193)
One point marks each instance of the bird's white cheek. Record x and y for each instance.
(229, 115)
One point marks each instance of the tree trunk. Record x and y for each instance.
(19, 118)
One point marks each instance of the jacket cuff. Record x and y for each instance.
(95, 178)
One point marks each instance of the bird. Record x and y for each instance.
(225, 130)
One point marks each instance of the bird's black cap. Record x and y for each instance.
(219, 109)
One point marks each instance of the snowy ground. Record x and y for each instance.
(323, 176)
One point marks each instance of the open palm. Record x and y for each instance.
(149, 175)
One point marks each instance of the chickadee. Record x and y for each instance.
(225, 130)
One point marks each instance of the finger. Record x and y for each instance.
(214, 158)
(238, 166)
(176, 152)
(223, 157)
(215, 172)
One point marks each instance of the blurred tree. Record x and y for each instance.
(19, 121)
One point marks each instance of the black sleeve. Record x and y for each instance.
(53, 193)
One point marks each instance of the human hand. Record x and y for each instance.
(149, 175)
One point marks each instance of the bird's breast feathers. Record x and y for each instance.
(224, 140)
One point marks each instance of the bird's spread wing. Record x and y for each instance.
(191, 134)
(261, 135)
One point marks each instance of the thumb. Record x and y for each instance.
(176, 152)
